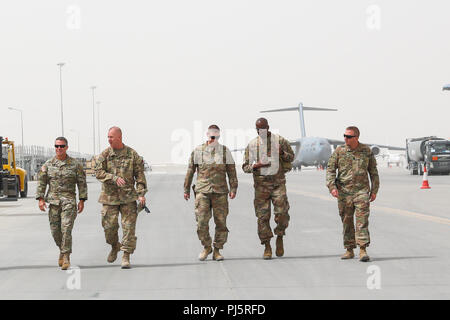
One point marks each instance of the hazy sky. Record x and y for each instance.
(164, 68)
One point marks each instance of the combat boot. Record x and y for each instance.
(204, 254)
(267, 251)
(279, 249)
(363, 256)
(348, 254)
(66, 261)
(126, 260)
(216, 255)
(112, 256)
(60, 259)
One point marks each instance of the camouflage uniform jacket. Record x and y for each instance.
(213, 163)
(61, 176)
(274, 149)
(353, 168)
(126, 164)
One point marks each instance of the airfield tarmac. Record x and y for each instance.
(410, 247)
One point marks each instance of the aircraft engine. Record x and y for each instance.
(375, 149)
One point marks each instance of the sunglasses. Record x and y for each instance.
(62, 146)
(348, 137)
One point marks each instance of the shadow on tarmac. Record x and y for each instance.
(399, 258)
(284, 258)
(164, 265)
(136, 266)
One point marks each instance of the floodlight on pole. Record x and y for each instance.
(78, 137)
(93, 116)
(98, 126)
(61, 94)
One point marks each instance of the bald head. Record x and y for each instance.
(116, 129)
(115, 138)
(262, 123)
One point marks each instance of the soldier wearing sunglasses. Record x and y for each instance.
(354, 163)
(62, 174)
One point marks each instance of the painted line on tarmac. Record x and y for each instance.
(402, 212)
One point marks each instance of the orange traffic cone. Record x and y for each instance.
(425, 184)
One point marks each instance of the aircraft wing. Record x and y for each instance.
(336, 143)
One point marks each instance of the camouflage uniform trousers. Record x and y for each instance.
(110, 223)
(62, 218)
(350, 205)
(218, 203)
(264, 193)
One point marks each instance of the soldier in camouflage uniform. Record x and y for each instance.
(62, 174)
(119, 168)
(354, 162)
(213, 162)
(268, 157)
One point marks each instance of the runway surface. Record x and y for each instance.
(409, 229)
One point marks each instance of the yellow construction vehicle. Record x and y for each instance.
(13, 180)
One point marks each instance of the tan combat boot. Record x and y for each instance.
(348, 254)
(126, 260)
(204, 254)
(66, 261)
(280, 249)
(363, 256)
(112, 256)
(267, 251)
(216, 255)
(60, 259)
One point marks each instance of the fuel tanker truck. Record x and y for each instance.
(432, 152)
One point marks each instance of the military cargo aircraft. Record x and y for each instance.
(315, 151)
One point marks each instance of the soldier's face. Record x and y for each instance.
(351, 142)
(60, 148)
(213, 133)
(114, 139)
(262, 128)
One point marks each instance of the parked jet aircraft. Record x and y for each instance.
(315, 151)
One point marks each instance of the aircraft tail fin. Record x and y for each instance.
(300, 110)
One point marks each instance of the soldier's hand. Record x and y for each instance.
(187, 196)
(232, 195)
(142, 200)
(42, 205)
(335, 193)
(120, 182)
(80, 206)
(373, 197)
(260, 165)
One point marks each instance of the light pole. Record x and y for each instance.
(78, 138)
(93, 116)
(61, 94)
(21, 123)
(98, 126)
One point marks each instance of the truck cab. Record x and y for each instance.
(437, 156)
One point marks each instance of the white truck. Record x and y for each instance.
(432, 152)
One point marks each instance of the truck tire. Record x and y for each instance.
(17, 188)
(24, 193)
